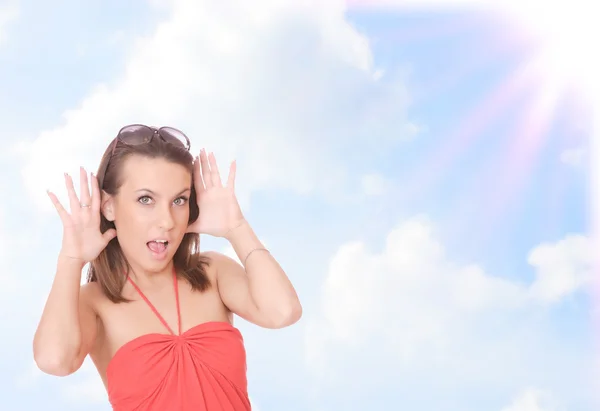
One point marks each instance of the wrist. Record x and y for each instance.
(235, 230)
(70, 262)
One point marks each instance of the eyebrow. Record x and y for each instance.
(147, 190)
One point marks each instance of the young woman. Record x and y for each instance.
(156, 315)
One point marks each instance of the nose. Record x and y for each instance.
(165, 218)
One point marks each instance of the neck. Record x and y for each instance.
(148, 278)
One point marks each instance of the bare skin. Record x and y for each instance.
(119, 324)
(152, 203)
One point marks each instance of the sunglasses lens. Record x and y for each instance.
(174, 136)
(134, 135)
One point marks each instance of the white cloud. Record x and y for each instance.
(532, 400)
(279, 85)
(561, 268)
(446, 4)
(8, 281)
(574, 156)
(374, 184)
(420, 308)
(411, 284)
(9, 11)
(425, 4)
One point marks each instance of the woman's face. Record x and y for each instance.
(151, 211)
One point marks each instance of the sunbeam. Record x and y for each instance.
(458, 140)
(563, 60)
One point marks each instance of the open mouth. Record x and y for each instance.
(158, 246)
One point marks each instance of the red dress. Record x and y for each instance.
(202, 369)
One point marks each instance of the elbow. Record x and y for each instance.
(53, 363)
(295, 314)
(289, 316)
(52, 367)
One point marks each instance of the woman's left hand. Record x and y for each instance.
(220, 211)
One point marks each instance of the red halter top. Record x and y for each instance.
(203, 368)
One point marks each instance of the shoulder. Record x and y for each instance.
(220, 266)
(91, 294)
(218, 261)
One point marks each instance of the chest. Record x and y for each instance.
(161, 312)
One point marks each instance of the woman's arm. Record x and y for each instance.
(67, 328)
(260, 292)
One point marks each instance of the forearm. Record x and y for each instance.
(58, 336)
(270, 287)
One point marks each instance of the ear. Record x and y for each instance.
(107, 206)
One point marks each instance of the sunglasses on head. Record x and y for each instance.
(137, 134)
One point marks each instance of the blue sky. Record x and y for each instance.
(440, 248)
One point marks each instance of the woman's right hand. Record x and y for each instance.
(82, 239)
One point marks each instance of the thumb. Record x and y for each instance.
(109, 234)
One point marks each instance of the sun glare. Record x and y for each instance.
(567, 33)
(567, 58)
(562, 62)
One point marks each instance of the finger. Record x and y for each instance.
(96, 197)
(205, 168)
(198, 183)
(84, 188)
(109, 234)
(73, 200)
(214, 171)
(231, 177)
(62, 213)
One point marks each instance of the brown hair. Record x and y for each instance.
(110, 267)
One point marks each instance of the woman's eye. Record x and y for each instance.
(181, 201)
(145, 200)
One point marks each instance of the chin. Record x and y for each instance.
(154, 268)
(151, 265)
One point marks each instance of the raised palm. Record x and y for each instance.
(219, 209)
(82, 239)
